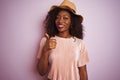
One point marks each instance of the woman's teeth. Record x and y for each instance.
(60, 26)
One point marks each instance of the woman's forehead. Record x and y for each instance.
(63, 13)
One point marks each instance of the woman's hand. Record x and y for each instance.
(50, 43)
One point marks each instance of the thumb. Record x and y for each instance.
(47, 36)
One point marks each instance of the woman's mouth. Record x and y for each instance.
(60, 26)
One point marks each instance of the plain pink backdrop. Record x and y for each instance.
(21, 30)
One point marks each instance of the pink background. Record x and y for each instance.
(21, 30)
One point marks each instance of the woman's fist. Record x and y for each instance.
(50, 43)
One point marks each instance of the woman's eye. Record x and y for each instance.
(65, 18)
(57, 17)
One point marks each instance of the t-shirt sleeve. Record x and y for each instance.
(42, 43)
(83, 57)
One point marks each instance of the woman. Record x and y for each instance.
(62, 54)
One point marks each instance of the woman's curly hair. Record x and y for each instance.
(75, 30)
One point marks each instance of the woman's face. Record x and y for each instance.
(63, 21)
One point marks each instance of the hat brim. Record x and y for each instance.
(67, 8)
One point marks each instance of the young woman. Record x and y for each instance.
(62, 54)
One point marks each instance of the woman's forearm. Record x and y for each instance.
(43, 63)
(83, 73)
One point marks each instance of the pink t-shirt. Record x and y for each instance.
(69, 54)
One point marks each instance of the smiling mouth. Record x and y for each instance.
(60, 26)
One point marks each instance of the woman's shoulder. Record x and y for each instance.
(43, 39)
(79, 41)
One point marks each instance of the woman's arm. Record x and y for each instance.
(42, 64)
(83, 73)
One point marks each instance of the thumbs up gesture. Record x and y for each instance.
(50, 43)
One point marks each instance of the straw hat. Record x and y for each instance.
(66, 4)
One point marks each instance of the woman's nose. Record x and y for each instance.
(61, 20)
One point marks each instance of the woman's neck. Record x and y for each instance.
(64, 35)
